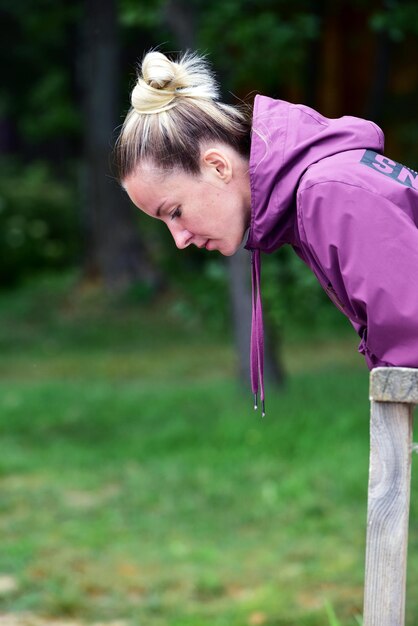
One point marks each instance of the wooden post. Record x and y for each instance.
(393, 393)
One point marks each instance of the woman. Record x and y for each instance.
(284, 175)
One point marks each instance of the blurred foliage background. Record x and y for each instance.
(356, 58)
(136, 485)
(67, 73)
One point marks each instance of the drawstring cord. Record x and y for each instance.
(257, 333)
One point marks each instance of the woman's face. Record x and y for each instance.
(211, 210)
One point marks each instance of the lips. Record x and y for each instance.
(207, 245)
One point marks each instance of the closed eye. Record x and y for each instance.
(176, 213)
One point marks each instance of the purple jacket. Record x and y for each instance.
(351, 214)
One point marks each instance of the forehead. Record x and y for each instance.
(148, 186)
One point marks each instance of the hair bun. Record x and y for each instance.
(158, 72)
(162, 81)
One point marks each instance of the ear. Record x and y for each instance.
(218, 163)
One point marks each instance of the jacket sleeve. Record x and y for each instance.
(367, 248)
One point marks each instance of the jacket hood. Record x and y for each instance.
(286, 140)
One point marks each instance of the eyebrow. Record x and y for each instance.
(159, 209)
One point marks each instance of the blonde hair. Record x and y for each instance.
(175, 107)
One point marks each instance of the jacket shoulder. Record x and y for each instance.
(370, 172)
(344, 167)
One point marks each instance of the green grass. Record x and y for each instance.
(138, 484)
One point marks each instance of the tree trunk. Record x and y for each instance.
(113, 250)
(180, 17)
(240, 292)
(379, 79)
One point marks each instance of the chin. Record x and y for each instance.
(230, 251)
(232, 247)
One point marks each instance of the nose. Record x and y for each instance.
(181, 236)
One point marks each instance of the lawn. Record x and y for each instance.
(138, 486)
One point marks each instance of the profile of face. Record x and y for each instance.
(210, 210)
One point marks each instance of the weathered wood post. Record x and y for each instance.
(393, 393)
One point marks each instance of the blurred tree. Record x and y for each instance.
(37, 92)
(343, 57)
(181, 17)
(265, 44)
(113, 249)
(40, 127)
